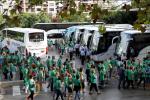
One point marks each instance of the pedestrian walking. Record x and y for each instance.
(31, 88)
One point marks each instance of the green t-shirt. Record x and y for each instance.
(99, 66)
(58, 85)
(59, 62)
(93, 78)
(88, 66)
(31, 85)
(113, 62)
(66, 80)
(102, 75)
(77, 82)
(49, 62)
(53, 73)
(130, 75)
(129, 63)
(50, 42)
(12, 68)
(55, 82)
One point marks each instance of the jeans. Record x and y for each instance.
(77, 95)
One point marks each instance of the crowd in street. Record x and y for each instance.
(65, 78)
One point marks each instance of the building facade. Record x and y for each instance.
(52, 7)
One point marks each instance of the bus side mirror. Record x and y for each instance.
(116, 38)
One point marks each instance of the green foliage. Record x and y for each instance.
(119, 17)
(1, 19)
(143, 10)
(143, 14)
(28, 20)
(36, 2)
(102, 29)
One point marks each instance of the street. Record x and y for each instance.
(111, 92)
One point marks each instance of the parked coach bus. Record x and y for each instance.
(103, 46)
(134, 43)
(25, 41)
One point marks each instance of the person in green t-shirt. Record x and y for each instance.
(58, 89)
(13, 70)
(70, 87)
(130, 76)
(88, 66)
(93, 78)
(50, 43)
(4, 70)
(77, 87)
(52, 78)
(40, 77)
(142, 74)
(59, 62)
(102, 74)
(62, 49)
(49, 62)
(31, 88)
(9, 74)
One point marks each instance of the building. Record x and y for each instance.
(50, 7)
(53, 7)
(1, 8)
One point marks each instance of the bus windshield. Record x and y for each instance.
(36, 37)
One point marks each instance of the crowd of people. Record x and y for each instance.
(65, 78)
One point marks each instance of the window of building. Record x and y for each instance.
(51, 9)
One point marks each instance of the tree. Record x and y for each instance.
(1, 19)
(143, 13)
(28, 20)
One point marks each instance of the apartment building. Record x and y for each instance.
(1, 8)
(52, 7)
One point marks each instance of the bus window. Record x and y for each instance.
(18, 36)
(36, 37)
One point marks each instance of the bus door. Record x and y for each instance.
(115, 41)
(89, 41)
(80, 36)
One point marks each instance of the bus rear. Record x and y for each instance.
(36, 43)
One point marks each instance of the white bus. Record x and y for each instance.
(76, 33)
(55, 34)
(134, 43)
(103, 46)
(25, 41)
